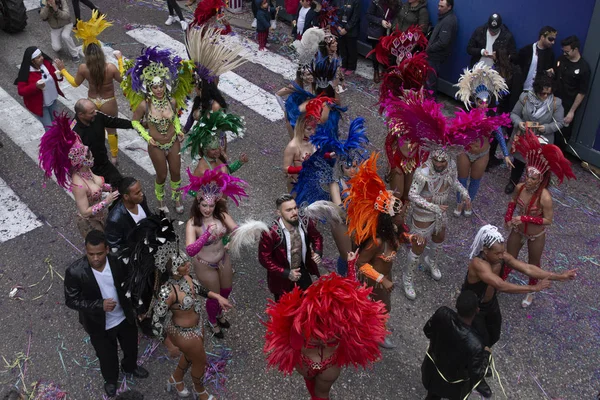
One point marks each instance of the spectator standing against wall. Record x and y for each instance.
(487, 39)
(537, 58)
(347, 32)
(413, 12)
(572, 75)
(379, 16)
(441, 40)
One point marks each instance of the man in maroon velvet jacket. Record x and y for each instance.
(285, 251)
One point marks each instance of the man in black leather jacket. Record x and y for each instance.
(498, 36)
(455, 349)
(93, 287)
(127, 212)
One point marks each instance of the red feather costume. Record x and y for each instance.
(206, 10)
(333, 311)
(399, 46)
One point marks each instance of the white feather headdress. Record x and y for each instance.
(307, 47)
(480, 82)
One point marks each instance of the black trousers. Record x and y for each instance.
(517, 171)
(77, 10)
(432, 76)
(174, 8)
(348, 51)
(373, 43)
(109, 172)
(488, 322)
(303, 283)
(105, 344)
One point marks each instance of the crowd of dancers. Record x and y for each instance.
(137, 275)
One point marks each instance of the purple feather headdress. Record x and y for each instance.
(163, 57)
(55, 146)
(213, 185)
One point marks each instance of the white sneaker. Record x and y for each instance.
(171, 19)
(253, 23)
(184, 25)
(409, 288)
(434, 271)
(387, 344)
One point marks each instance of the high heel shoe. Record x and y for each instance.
(196, 395)
(458, 210)
(219, 334)
(178, 207)
(527, 300)
(182, 394)
(162, 207)
(468, 211)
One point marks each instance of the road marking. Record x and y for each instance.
(15, 217)
(22, 128)
(236, 87)
(32, 4)
(130, 141)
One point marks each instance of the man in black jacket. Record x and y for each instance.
(90, 125)
(130, 209)
(441, 40)
(347, 32)
(456, 353)
(537, 58)
(93, 287)
(487, 39)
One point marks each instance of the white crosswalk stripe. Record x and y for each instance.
(32, 4)
(233, 85)
(15, 217)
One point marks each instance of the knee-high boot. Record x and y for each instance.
(431, 260)
(412, 260)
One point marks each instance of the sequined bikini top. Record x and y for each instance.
(161, 123)
(189, 300)
(216, 235)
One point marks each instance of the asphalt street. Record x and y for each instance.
(548, 351)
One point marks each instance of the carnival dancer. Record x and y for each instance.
(328, 48)
(398, 46)
(99, 74)
(63, 154)
(534, 201)
(212, 57)
(37, 82)
(211, 13)
(205, 234)
(404, 158)
(423, 122)
(291, 250)
(298, 149)
(206, 139)
(480, 86)
(376, 223)
(325, 175)
(156, 85)
(488, 262)
(161, 289)
(320, 330)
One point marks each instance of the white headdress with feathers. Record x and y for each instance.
(307, 47)
(480, 82)
(247, 234)
(324, 210)
(487, 236)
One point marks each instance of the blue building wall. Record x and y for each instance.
(524, 18)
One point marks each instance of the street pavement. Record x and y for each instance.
(549, 351)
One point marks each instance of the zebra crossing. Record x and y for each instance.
(25, 130)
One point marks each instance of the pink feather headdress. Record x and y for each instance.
(213, 185)
(61, 151)
(421, 120)
(399, 46)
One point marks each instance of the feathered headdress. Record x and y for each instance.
(324, 69)
(487, 236)
(314, 108)
(61, 151)
(207, 9)
(213, 185)
(212, 56)
(206, 133)
(398, 46)
(367, 197)
(411, 74)
(88, 31)
(332, 308)
(348, 151)
(150, 246)
(293, 102)
(308, 46)
(156, 66)
(328, 17)
(481, 82)
(543, 158)
(422, 122)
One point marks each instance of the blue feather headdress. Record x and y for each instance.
(351, 150)
(314, 178)
(323, 70)
(292, 103)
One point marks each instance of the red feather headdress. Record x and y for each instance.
(399, 46)
(332, 310)
(543, 158)
(411, 74)
(314, 108)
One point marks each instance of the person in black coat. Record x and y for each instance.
(128, 211)
(93, 287)
(455, 350)
(544, 56)
(306, 13)
(347, 32)
(379, 16)
(478, 47)
(441, 40)
(264, 14)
